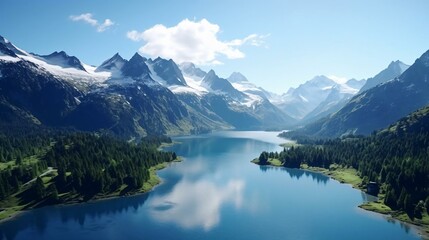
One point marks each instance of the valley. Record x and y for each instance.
(114, 132)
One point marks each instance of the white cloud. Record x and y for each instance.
(88, 18)
(192, 41)
(105, 25)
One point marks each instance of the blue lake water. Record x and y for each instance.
(216, 193)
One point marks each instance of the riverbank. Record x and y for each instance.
(350, 176)
(12, 208)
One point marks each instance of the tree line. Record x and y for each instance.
(87, 163)
(398, 161)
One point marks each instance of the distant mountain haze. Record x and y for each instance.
(378, 107)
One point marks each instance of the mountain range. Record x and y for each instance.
(389, 99)
(130, 98)
(140, 96)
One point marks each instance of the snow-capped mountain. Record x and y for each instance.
(63, 60)
(129, 98)
(339, 95)
(114, 63)
(301, 101)
(380, 105)
(241, 83)
(239, 96)
(7, 48)
(166, 72)
(136, 68)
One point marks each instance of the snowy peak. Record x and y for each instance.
(189, 69)
(114, 63)
(63, 60)
(221, 85)
(321, 81)
(8, 48)
(136, 67)
(321, 89)
(237, 77)
(167, 71)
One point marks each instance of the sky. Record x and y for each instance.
(276, 44)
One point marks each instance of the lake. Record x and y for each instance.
(216, 193)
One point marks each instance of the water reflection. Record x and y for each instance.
(298, 173)
(196, 204)
(40, 218)
(367, 197)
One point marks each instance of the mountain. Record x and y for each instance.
(220, 85)
(339, 95)
(63, 60)
(380, 106)
(9, 49)
(166, 72)
(241, 83)
(313, 96)
(136, 67)
(114, 63)
(239, 102)
(33, 96)
(414, 123)
(190, 69)
(394, 69)
(129, 98)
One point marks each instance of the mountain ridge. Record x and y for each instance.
(132, 98)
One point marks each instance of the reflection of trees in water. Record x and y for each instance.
(403, 225)
(297, 173)
(38, 218)
(367, 197)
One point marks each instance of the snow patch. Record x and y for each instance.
(245, 86)
(70, 74)
(155, 76)
(183, 89)
(303, 98)
(196, 83)
(77, 100)
(327, 88)
(7, 58)
(345, 89)
(252, 100)
(339, 80)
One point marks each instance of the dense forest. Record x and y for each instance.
(84, 164)
(397, 158)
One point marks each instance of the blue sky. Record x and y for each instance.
(276, 44)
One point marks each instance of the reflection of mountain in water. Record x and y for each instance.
(38, 219)
(298, 173)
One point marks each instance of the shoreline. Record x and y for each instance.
(377, 207)
(153, 181)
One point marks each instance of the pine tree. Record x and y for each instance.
(39, 189)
